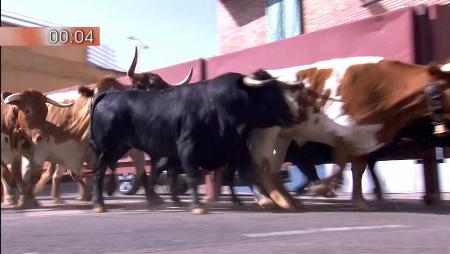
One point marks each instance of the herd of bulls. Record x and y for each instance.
(341, 110)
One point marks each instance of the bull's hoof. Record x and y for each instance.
(266, 203)
(155, 200)
(319, 189)
(85, 198)
(237, 202)
(110, 189)
(58, 201)
(99, 209)
(281, 201)
(208, 199)
(361, 204)
(27, 203)
(38, 189)
(9, 201)
(198, 211)
(330, 194)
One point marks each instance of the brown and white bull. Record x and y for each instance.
(10, 136)
(15, 140)
(62, 137)
(360, 102)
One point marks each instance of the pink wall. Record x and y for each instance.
(440, 26)
(176, 73)
(389, 35)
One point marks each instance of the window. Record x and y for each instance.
(283, 19)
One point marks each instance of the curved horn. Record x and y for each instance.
(251, 82)
(294, 83)
(5, 94)
(133, 64)
(12, 98)
(445, 67)
(58, 104)
(186, 79)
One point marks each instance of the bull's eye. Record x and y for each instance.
(27, 111)
(6, 140)
(39, 139)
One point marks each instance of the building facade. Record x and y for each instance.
(244, 24)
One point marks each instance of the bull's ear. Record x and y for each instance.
(5, 94)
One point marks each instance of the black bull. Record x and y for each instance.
(200, 125)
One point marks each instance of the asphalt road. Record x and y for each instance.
(322, 226)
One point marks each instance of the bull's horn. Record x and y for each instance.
(187, 79)
(5, 94)
(251, 82)
(59, 104)
(12, 98)
(293, 83)
(445, 67)
(133, 64)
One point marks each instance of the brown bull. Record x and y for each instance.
(16, 139)
(380, 96)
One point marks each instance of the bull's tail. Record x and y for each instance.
(91, 140)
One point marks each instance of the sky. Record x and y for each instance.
(175, 31)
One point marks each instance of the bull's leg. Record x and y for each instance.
(263, 143)
(45, 177)
(27, 200)
(56, 184)
(260, 193)
(172, 176)
(377, 189)
(310, 172)
(139, 164)
(149, 184)
(14, 177)
(341, 157)
(214, 182)
(246, 169)
(99, 205)
(188, 163)
(111, 182)
(358, 166)
(83, 193)
(228, 177)
(279, 155)
(234, 198)
(6, 178)
(193, 180)
(16, 172)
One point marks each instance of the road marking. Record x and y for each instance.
(53, 213)
(319, 230)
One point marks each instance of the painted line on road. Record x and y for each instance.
(319, 230)
(53, 213)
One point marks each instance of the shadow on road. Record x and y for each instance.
(306, 204)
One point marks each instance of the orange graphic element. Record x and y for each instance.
(49, 36)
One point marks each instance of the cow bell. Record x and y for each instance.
(440, 130)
